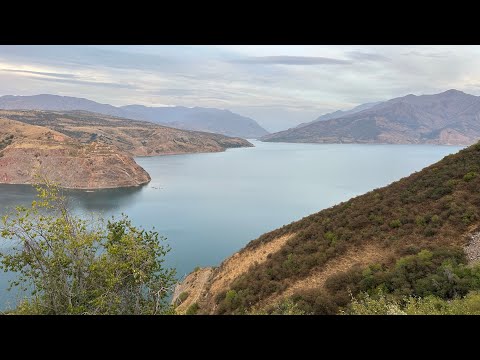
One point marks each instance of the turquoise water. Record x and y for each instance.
(210, 205)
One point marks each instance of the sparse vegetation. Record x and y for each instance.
(469, 176)
(181, 298)
(430, 210)
(7, 140)
(431, 305)
(192, 309)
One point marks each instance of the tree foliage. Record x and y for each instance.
(71, 266)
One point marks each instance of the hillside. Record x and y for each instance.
(27, 151)
(340, 113)
(137, 138)
(202, 119)
(199, 119)
(449, 118)
(413, 237)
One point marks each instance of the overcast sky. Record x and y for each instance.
(279, 86)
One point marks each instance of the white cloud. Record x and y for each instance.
(277, 85)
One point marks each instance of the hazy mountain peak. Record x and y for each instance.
(453, 92)
(195, 118)
(450, 117)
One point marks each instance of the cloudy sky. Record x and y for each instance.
(279, 86)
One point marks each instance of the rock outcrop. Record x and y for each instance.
(32, 151)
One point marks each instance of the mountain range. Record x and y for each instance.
(449, 118)
(85, 150)
(200, 119)
(340, 113)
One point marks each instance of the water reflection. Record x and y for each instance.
(98, 201)
(105, 200)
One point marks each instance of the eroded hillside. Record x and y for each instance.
(28, 151)
(138, 138)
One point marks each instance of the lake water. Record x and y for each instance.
(211, 205)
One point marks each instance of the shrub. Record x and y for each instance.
(430, 305)
(192, 309)
(420, 220)
(429, 231)
(395, 224)
(182, 297)
(331, 237)
(470, 176)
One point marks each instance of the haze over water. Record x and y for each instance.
(211, 205)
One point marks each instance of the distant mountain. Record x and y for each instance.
(57, 103)
(201, 119)
(340, 113)
(450, 118)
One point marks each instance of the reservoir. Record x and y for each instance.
(210, 205)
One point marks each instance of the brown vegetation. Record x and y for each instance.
(435, 208)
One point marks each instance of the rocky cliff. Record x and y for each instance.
(27, 151)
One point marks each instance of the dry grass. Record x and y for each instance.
(239, 263)
(195, 285)
(204, 284)
(364, 256)
(137, 138)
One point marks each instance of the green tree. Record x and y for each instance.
(70, 266)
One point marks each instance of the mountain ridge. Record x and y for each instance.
(211, 120)
(33, 151)
(84, 145)
(447, 118)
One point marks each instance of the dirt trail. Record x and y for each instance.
(194, 285)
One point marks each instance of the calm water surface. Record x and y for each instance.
(210, 205)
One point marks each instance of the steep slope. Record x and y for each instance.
(319, 259)
(136, 138)
(450, 118)
(200, 119)
(27, 151)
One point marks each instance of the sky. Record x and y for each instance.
(278, 86)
